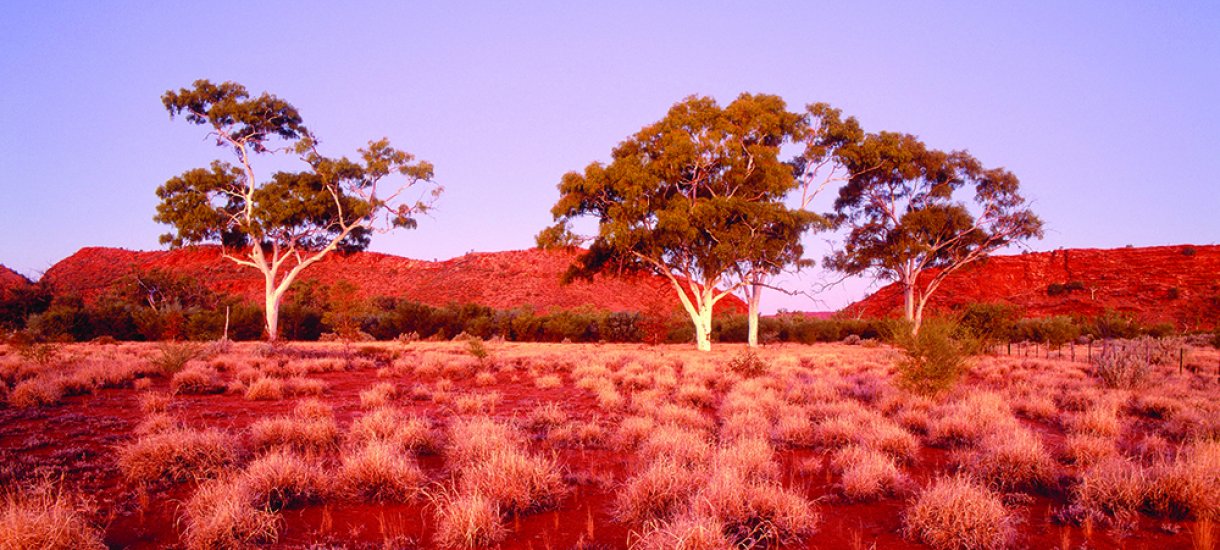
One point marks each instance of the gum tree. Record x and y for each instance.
(916, 215)
(283, 224)
(694, 197)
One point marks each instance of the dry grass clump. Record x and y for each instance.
(1100, 420)
(633, 430)
(222, 514)
(265, 389)
(516, 481)
(685, 532)
(154, 402)
(956, 513)
(300, 385)
(475, 439)
(380, 470)
(196, 379)
(178, 454)
(546, 416)
(658, 492)
(793, 428)
(408, 433)
(378, 396)
(867, 474)
(1113, 486)
(548, 381)
(44, 518)
(156, 423)
(284, 479)
(36, 392)
(468, 521)
(1011, 460)
(1190, 485)
(676, 443)
(1085, 449)
(966, 421)
(301, 432)
(477, 403)
(754, 513)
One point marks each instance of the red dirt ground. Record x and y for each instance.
(78, 439)
(501, 280)
(1174, 284)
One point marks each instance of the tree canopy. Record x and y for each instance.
(914, 214)
(291, 220)
(691, 197)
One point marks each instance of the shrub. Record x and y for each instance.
(179, 454)
(283, 480)
(45, 518)
(378, 395)
(172, 357)
(867, 474)
(380, 470)
(222, 514)
(1011, 460)
(955, 513)
(748, 364)
(935, 358)
(1190, 485)
(516, 481)
(1120, 365)
(685, 532)
(1112, 486)
(658, 492)
(196, 379)
(408, 433)
(265, 389)
(475, 439)
(36, 392)
(755, 514)
(154, 402)
(468, 521)
(304, 434)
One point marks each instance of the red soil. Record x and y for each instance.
(1155, 284)
(501, 280)
(75, 442)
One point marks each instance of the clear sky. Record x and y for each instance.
(1109, 112)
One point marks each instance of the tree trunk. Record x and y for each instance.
(703, 327)
(272, 305)
(908, 302)
(753, 302)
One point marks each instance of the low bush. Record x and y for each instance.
(468, 521)
(299, 433)
(380, 470)
(516, 481)
(956, 513)
(196, 379)
(1190, 485)
(657, 492)
(867, 474)
(1111, 487)
(222, 514)
(39, 391)
(936, 358)
(283, 480)
(178, 454)
(44, 518)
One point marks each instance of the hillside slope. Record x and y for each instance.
(11, 280)
(1174, 284)
(501, 280)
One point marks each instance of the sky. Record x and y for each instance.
(1108, 112)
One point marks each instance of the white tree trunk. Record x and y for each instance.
(753, 301)
(272, 305)
(703, 326)
(908, 302)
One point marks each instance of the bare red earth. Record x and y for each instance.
(501, 280)
(1160, 284)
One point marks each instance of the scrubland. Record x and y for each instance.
(460, 445)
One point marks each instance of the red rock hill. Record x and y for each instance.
(1175, 284)
(500, 280)
(11, 280)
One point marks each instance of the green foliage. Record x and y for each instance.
(345, 311)
(476, 348)
(1113, 324)
(1054, 331)
(172, 357)
(906, 206)
(990, 323)
(936, 357)
(697, 195)
(281, 225)
(17, 304)
(748, 364)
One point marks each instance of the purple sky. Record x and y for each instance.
(1107, 111)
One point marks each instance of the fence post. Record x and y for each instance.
(1073, 346)
(1181, 359)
